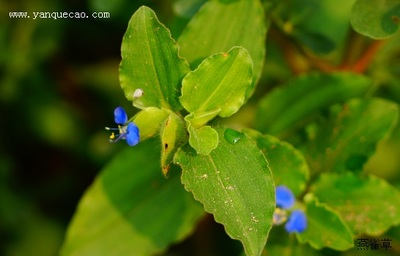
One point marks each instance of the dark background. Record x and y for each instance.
(58, 89)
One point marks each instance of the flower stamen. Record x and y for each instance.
(126, 130)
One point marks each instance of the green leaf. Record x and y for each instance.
(325, 228)
(369, 205)
(173, 135)
(240, 23)
(150, 62)
(377, 19)
(203, 139)
(292, 106)
(349, 138)
(131, 209)
(235, 184)
(287, 164)
(217, 86)
(149, 121)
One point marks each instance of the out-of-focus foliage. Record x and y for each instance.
(57, 92)
(320, 115)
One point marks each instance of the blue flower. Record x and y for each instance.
(120, 116)
(132, 134)
(127, 130)
(296, 219)
(297, 222)
(284, 197)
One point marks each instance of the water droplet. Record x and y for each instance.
(232, 136)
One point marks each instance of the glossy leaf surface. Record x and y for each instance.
(150, 62)
(235, 184)
(240, 23)
(203, 139)
(217, 86)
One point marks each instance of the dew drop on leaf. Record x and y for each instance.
(232, 136)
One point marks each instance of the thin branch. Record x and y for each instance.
(366, 58)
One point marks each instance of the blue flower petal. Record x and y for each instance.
(297, 222)
(120, 116)
(132, 134)
(284, 197)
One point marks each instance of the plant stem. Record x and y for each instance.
(357, 54)
(365, 59)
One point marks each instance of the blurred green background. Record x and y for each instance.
(58, 89)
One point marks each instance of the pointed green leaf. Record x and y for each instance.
(377, 19)
(203, 139)
(131, 209)
(369, 205)
(150, 63)
(287, 164)
(217, 86)
(235, 184)
(325, 228)
(292, 106)
(239, 22)
(349, 138)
